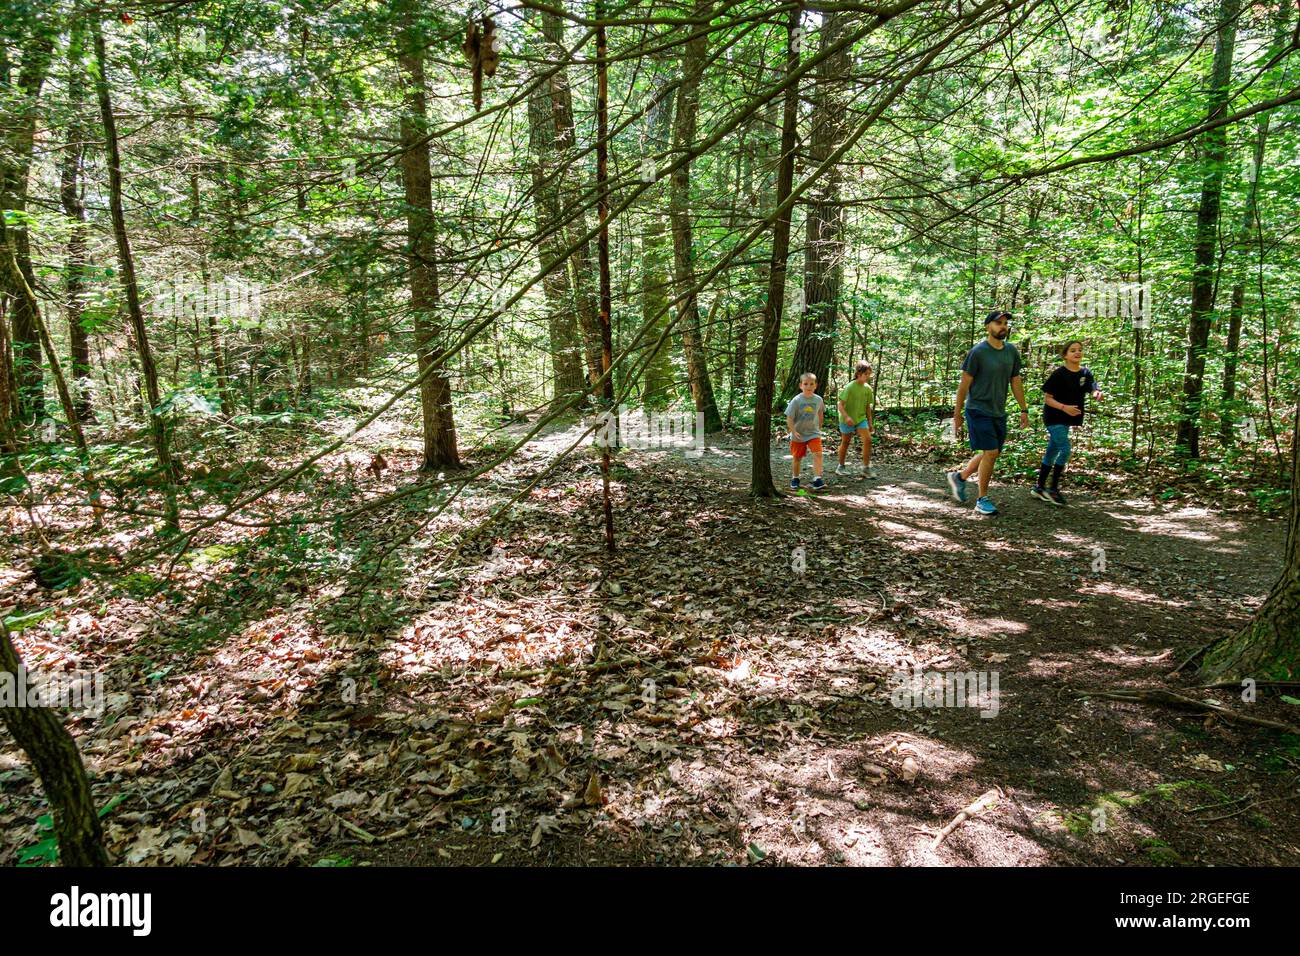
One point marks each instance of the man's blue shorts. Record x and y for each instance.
(987, 432)
(849, 429)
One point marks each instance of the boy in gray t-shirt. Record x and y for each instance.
(804, 417)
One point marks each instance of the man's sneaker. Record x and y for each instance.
(841, 470)
(1040, 493)
(985, 506)
(794, 484)
(1055, 497)
(818, 484)
(871, 471)
(957, 484)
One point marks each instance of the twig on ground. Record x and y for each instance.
(987, 801)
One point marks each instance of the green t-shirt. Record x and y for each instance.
(857, 399)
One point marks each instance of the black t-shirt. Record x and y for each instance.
(1068, 388)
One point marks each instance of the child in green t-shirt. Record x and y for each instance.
(857, 415)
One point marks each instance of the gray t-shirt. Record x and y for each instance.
(993, 370)
(804, 411)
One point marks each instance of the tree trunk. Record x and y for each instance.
(70, 196)
(824, 252)
(57, 762)
(157, 421)
(15, 164)
(761, 485)
(566, 350)
(570, 187)
(1214, 144)
(656, 254)
(1249, 223)
(1268, 648)
(435, 385)
(679, 214)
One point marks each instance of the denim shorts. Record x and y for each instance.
(850, 429)
(987, 432)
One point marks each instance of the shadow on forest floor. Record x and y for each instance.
(719, 690)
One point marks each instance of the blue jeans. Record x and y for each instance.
(1058, 445)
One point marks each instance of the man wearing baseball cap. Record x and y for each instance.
(989, 368)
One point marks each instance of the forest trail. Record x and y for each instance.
(940, 587)
(690, 698)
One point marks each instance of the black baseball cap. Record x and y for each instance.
(994, 316)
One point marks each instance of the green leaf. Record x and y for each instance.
(18, 622)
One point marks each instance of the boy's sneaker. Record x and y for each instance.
(841, 470)
(818, 484)
(985, 506)
(1055, 497)
(1040, 493)
(794, 484)
(870, 472)
(958, 485)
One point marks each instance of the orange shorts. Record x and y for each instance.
(800, 448)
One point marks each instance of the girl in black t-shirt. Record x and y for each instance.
(1064, 394)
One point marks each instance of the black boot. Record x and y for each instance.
(1054, 493)
(1040, 488)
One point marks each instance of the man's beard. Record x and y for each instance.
(1002, 335)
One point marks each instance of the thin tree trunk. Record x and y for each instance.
(158, 423)
(1249, 222)
(761, 485)
(602, 256)
(75, 210)
(1214, 144)
(435, 385)
(656, 254)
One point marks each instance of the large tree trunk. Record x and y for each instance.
(15, 163)
(679, 214)
(1214, 146)
(824, 252)
(571, 197)
(57, 762)
(761, 485)
(435, 385)
(566, 350)
(157, 421)
(74, 268)
(1268, 648)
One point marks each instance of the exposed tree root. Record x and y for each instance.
(1167, 698)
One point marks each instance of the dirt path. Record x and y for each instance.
(1107, 592)
(718, 691)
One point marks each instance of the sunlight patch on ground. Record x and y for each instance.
(1190, 523)
(912, 538)
(1126, 593)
